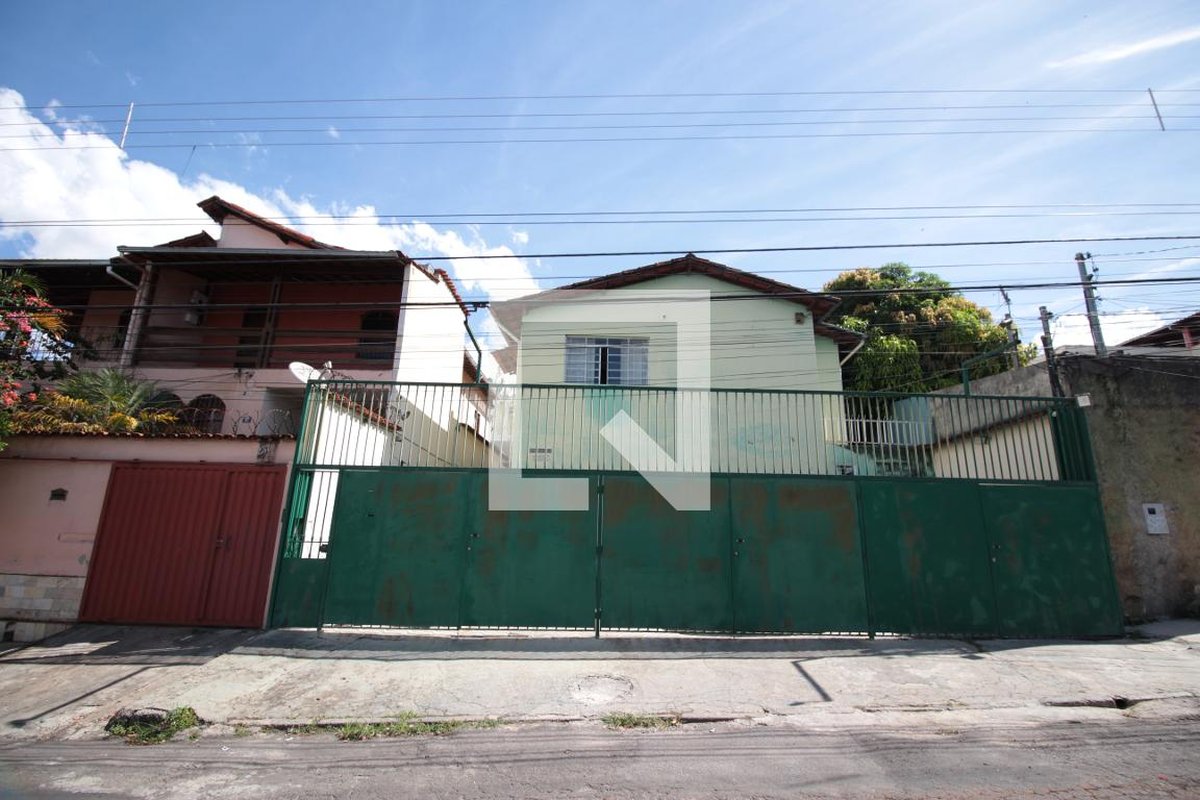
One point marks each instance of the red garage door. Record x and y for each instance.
(185, 544)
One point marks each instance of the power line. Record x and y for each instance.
(602, 114)
(493, 279)
(602, 139)
(655, 126)
(608, 96)
(294, 218)
(816, 248)
(350, 222)
(798, 294)
(335, 255)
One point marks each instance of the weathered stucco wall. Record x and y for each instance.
(1145, 427)
(1144, 421)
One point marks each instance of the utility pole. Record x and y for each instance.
(1010, 331)
(1010, 326)
(1048, 347)
(1089, 298)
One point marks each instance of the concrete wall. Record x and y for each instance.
(1021, 450)
(1145, 427)
(46, 544)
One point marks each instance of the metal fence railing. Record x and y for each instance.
(570, 427)
(745, 432)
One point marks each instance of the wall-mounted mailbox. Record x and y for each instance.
(1156, 518)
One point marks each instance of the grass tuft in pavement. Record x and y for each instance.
(152, 728)
(649, 721)
(407, 724)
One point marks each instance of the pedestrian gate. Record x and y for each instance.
(377, 544)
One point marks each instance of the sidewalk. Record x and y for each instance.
(68, 685)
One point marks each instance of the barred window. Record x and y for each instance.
(619, 362)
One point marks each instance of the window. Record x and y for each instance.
(206, 413)
(250, 352)
(378, 342)
(618, 362)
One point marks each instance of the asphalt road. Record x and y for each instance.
(1125, 758)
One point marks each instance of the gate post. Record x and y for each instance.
(599, 550)
(289, 505)
(862, 547)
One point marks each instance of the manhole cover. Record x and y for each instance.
(596, 689)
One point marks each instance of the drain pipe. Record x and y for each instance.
(850, 355)
(139, 315)
(478, 351)
(108, 270)
(862, 340)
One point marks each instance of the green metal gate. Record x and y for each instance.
(954, 516)
(418, 548)
(798, 559)
(663, 568)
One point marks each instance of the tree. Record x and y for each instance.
(104, 401)
(33, 346)
(919, 330)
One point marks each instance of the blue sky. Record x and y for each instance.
(151, 52)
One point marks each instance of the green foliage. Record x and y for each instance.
(626, 721)
(916, 341)
(146, 731)
(32, 344)
(104, 401)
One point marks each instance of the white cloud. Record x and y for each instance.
(1119, 52)
(520, 237)
(1073, 329)
(333, 132)
(102, 182)
(1174, 266)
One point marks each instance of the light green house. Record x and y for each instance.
(650, 341)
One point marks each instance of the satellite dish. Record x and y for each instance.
(303, 372)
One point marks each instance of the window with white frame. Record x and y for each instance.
(618, 362)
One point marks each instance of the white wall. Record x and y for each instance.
(432, 338)
(755, 343)
(241, 234)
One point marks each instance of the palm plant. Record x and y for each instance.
(102, 401)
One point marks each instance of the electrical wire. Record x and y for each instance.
(1146, 109)
(602, 139)
(613, 96)
(304, 218)
(314, 256)
(138, 132)
(372, 221)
